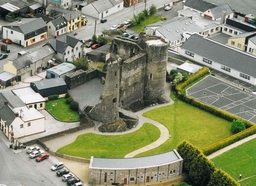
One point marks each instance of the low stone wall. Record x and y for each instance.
(73, 158)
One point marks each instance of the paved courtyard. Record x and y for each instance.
(226, 97)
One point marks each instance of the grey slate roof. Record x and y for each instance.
(134, 163)
(199, 5)
(22, 62)
(13, 100)
(72, 15)
(7, 114)
(218, 11)
(27, 25)
(59, 22)
(48, 83)
(102, 5)
(222, 54)
(2, 100)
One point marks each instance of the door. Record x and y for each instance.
(125, 180)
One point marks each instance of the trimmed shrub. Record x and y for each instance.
(69, 100)
(67, 95)
(53, 97)
(237, 126)
(74, 106)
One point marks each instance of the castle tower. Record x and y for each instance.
(155, 77)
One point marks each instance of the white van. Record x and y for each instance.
(22, 53)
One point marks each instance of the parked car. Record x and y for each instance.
(103, 20)
(7, 40)
(120, 25)
(61, 172)
(32, 148)
(167, 7)
(77, 184)
(36, 153)
(89, 44)
(42, 157)
(127, 22)
(114, 27)
(94, 46)
(3, 56)
(57, 166)
(65, 177)
(125, 34)
(72, 181)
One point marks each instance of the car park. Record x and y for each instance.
(61, 172)
(89, 44)
(65, 177)
(32, 148)
(94, 46)
(57, 166)
(36, 153)
(103, 20)
(3, 56)
(42, 157)
(72, 181)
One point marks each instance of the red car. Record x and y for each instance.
(42, 157)
(7, 40)
(94, 46)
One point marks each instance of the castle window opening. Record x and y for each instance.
(105, 177)
(115, 73)
(114, 100)
(150, 77)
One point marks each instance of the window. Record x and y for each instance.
(235, 32)
(11, 32)
(29, 124)
(230, 31)
(189, 53)
(76, 48)
(41, 104)
(225, 68)
(72, 50)
(212, 30)
(207, 61)
(244, 76)
(21, 126)
(225, 29)
(217, 28)
(239, 45)
(131, 179)
(42, 36)
(232, 43)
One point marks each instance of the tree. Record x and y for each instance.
(81, 63)
(173, 71)
(94, 38)
(201, 170)
(152, 9)
(220, 178)
(102, 40)
(141, 17)
(74, 106)
(146, 13)
(237, 126)
(188, 152)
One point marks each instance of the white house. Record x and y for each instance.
(225, 59)
(251, 47)
(67, 47)
(102, 8)
(26, 31)
(57, 27)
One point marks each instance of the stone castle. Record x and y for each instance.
(135, 78)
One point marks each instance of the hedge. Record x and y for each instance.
(53, 97)
(181, 94)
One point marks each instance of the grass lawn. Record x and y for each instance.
(150, 20)
(186, 122)
(61, 111)
(116, 146)
(240, 160)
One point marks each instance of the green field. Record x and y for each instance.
(186, 122)
(240, 160)
(149, 20)
(111, 146)
(61, 111)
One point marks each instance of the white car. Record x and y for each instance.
(57, 166)
(114, 27)
(65, 177)
(127, 22)
(32, 148)
(36, 153)
(168, 7)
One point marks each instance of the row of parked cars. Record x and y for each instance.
(121, 25)
(130, 36)
(66, 175)
(37, 153)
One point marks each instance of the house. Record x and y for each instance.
(57, 27)
(225, 59)
(102, 8)
(241, 41)
(29, 64)
(251, 47)
(135, 171)
(30, 98)
(19, 122)
(199, 6)
(49, 87)
(67, 47)
(26, 31)
(220, 12)
(7, 79)
(74, 19)
(60, 70)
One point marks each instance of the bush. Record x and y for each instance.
(237, 126)
(53, 97)
(152, 9)
(67, 95)
(74, 106)
(69, 100)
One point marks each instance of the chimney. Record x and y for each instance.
(223, 17)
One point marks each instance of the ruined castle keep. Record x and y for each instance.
(135, 78)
